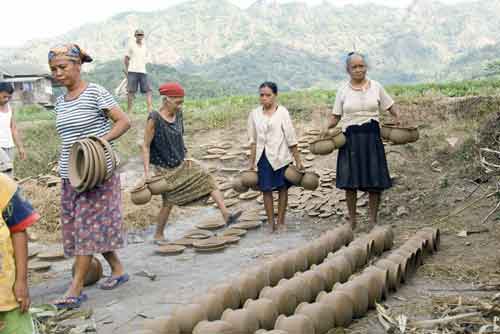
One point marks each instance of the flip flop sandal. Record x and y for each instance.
(161, 242)
(233, 218)
(71, 302)
(114, 281)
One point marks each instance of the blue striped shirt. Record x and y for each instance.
(82, 117)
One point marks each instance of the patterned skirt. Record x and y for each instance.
(92, 220)
(361, 162)
(186, 184)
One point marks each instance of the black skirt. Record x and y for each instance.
(361, 162)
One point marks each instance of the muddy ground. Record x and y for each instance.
(433, 178)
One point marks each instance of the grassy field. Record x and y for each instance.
(38, 128)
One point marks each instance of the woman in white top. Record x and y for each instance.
(273, 143)
(361, 163)
(9, 137)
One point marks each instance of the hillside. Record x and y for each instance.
(300, 46)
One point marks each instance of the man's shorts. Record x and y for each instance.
(140, 80)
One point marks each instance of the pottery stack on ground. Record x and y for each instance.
(320, 314)
(188, 316)
(212, 303)
(242, 321)
(341, 304)
(264, 310)
(295, 324)
(212, 327)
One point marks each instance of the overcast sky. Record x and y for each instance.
(32, 19)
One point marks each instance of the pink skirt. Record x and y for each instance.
(92, 220)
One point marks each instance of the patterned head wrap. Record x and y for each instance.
(172, 89)
(69, 52)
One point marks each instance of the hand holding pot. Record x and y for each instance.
(300, 165)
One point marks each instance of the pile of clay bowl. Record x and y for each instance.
(399, 135)
(88, 163)
(209, 245)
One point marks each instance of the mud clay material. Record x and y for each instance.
(234, 231)
(230, 239)
(358, 294)
(348, 254)
(283, 297)
(264, 310)
(341, 264)
(198, 234)
(183, 242)
(188, 316)
(296, 324)
(289, 265)
(276, 270)
(342, 305)
(394, 272)
(247, 225)
(404, 263)
(329, 273)
(314, 280)
(212, 225)
(261, 275)
(162, 325)
(247, 287)
(94, 274)
(210, 249)
(249, 195)
(382, 277)
(345, 233)
(320, 314)
(375, 289)
(241, 320)
(212, 304)
(170, 250)
(299, 285)
(214, 327)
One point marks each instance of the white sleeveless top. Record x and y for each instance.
(6, 140)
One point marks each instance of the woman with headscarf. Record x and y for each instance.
(91, 220)
(165, 150)
(273, 146)
(361, 162)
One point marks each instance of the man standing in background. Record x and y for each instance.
(135, 68)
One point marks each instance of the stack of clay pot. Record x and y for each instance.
(399, 135)
(88, 163)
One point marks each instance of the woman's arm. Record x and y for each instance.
(252, 137)
(17, 138)
(146, 146)
(121, 123)
(21, 291)
(394, 111)
(296, 157)
(333, 121)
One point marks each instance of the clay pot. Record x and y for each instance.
(378, 237)
(358, 294)
(359, 253)
(329, 274)
(315, 281)
(94, 274)
(349, 254)
(247, 287)
(296, 324)
(335, 241)
(213, 327)
(338, 137)
(188, 316)
(288, 266)
(310, 181)
(249, 178)
(282, 296)
(274, 331)
(261, 275)
(404, 262)
(320, 314)
(299, 285)
(341, 304)
(394, 272)
(343, 266)
(416, 252)
(140, 195)
(375, 287)
(364, 246)
(388, 236)
(212, 303)
(276, 271)
(382, 276)
(417, 241)
(264, 310)
(293, 175)
(385, 131)
(322, 146)
(410, 258)
(401, 135)
(229, 295)
(315, 253)
(429, 241)
(300, 256)
(345, 231)
(157, 185)
(162, 325)
(238, 186)
(436, 236)
(242, 321)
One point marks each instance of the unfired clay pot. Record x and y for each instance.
(212, 327)
(310, 181)
(428, 236)
(247, 287)
(345, 231)
(404, 262)
(300, 256)
(283, 297)
(341, 304)
(293, 175)
(238, 186)
(394, 272)
(276, 270)
(140, 195)
(261, 275)
(358, 294)
(364, 244)
(264, 310)
(188, 316)
(335, 240)
(359, 253)
(321, 315)
(375, 287)
(382, 276)
(296, 324)
(289, 265)
(212, 303)
(157, 185)
(162, 325)
(378, 237)
(329, 273)
(94, 273)
(299, 285)
(436, 236)
(274, 331)
(410, 262)
(342, 265)
(242, 321)
(315, 281)
(249, 178)
(322, 146)
(229, 295)
(349, 255)
(389, 235)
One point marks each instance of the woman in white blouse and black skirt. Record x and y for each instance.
(273, 144)
(361, 163)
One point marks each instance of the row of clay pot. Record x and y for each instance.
(361, 293)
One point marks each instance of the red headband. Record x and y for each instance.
(171, 89)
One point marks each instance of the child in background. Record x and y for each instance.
(16, 215)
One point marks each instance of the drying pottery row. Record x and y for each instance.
(88, 163)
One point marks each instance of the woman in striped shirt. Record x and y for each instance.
(91, 220)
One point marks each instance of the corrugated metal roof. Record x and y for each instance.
(26, 70)
(23, 79)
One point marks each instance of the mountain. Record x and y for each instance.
(299, 46)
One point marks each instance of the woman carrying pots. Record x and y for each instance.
(165, 150)
(91, 220)
(273, 143)
(361, 162)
